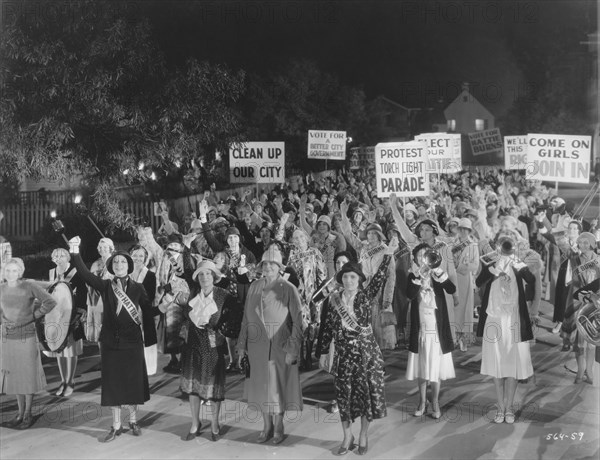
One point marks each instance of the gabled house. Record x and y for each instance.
(466, 114)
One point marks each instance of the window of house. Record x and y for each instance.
(480, 124)
(451, 125)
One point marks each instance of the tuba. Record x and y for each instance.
(588, 319)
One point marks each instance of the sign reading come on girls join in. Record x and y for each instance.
(559, 158)
(400, 168)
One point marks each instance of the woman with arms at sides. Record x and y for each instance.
(124, 379)
(358, 367)
(146, 278)
(271, 336)
(21, 371)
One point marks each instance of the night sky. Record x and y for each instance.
(414, 52)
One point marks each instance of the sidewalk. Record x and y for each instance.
(558, 419)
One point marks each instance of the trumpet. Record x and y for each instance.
(324, 291)
(505, 245)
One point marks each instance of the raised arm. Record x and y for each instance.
(405, 232)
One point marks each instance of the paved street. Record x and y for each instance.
(557, 418)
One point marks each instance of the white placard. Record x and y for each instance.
(327, 145)
(400, 168)
(515, 152)
(257, 163)
(486, 142)
(560, 158)
(444, 152)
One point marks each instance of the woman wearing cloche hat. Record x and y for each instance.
(210, 314)
(271, 337)
(124, 380)
(358, 368)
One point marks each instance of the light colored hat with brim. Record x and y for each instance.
(465, 223)
(410, 207)
(325, 219)
(453, 221)
(207, 265)
(589, 237)
(272, 254)
(196, 224)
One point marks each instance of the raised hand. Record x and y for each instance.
(392, 246)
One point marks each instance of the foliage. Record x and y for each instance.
(94, 94)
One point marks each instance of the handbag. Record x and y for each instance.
(77, 328)
(246, 366)
(326, 361)
(387, 318)
(230, 322)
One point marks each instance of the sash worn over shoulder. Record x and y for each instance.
(371, 252)
(348, 320)
(127, 302)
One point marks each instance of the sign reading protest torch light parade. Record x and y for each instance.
(560, 158)
(486, 142)
(444, 152)
(400, 168)
(515, 152)
(257, 163)
(327, 145)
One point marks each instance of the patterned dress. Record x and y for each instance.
(203, 355)
(358, 367)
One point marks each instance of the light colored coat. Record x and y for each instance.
(272, 328)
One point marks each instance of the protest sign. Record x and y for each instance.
(560, 158)
(400, 168)
(327, 145)
(515, 152)
(444, 152)
(486, 142)
(362, 157)
(257, 163)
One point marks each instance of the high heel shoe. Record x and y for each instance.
(15, 422)
(420, 412)
(264, 436)
(192, 434)
(61, 389)
(344, 450)
(69, 390)
(215, 436)
(436, 414)
(362, 450)
(26, 423)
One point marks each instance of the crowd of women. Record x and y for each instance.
(325, 270)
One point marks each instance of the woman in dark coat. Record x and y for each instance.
(142, 275)
(210, 314)
(358, 370)
(430, 342)
(505, 325)
(124, 376)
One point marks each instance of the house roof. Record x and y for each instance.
(472, 100)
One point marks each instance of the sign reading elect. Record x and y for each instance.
(257, 163)
(400, 168)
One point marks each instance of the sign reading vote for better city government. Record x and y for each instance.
(400, 168)
(327, 145)
(257, 163)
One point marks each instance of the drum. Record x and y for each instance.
(53, 328)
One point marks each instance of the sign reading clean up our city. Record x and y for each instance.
(557, 157)
(444, 152)
(257, 163)
(327, 145)
(515, 152)
(486, 142)
(400, 168)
